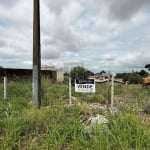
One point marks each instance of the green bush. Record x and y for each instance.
(133, 78)
(79, 73)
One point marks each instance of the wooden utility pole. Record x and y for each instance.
(36, 74)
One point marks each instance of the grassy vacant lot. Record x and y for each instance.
(57, 126)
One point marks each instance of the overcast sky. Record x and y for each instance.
(110, 35)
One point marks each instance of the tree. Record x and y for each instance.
(80, 73)
(133, 78)
(147, 66)
(143, 73)
(102, 72)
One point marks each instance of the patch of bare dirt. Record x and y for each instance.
(145, 118)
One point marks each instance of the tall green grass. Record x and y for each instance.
(127, 132)
(59, 127)
(56, 126)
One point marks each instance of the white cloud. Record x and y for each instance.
(124, 10)
(101, 34)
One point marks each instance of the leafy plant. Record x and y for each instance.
(79, 73)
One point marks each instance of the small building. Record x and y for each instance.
(101, 76)
(51, 73)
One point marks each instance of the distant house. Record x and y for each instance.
(52, 73)
(105, 77)
(101, 76)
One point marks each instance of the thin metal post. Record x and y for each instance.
(5, 87)
(70, 100)
(70, 93)
(112, 91)
(36, 74)
(70, 65)
(107, 92)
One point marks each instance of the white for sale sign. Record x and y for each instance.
(85, 86)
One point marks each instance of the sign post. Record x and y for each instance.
(70, 65)
(70, 101)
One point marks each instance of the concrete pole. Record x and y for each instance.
(5, 87)
(36, 74)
